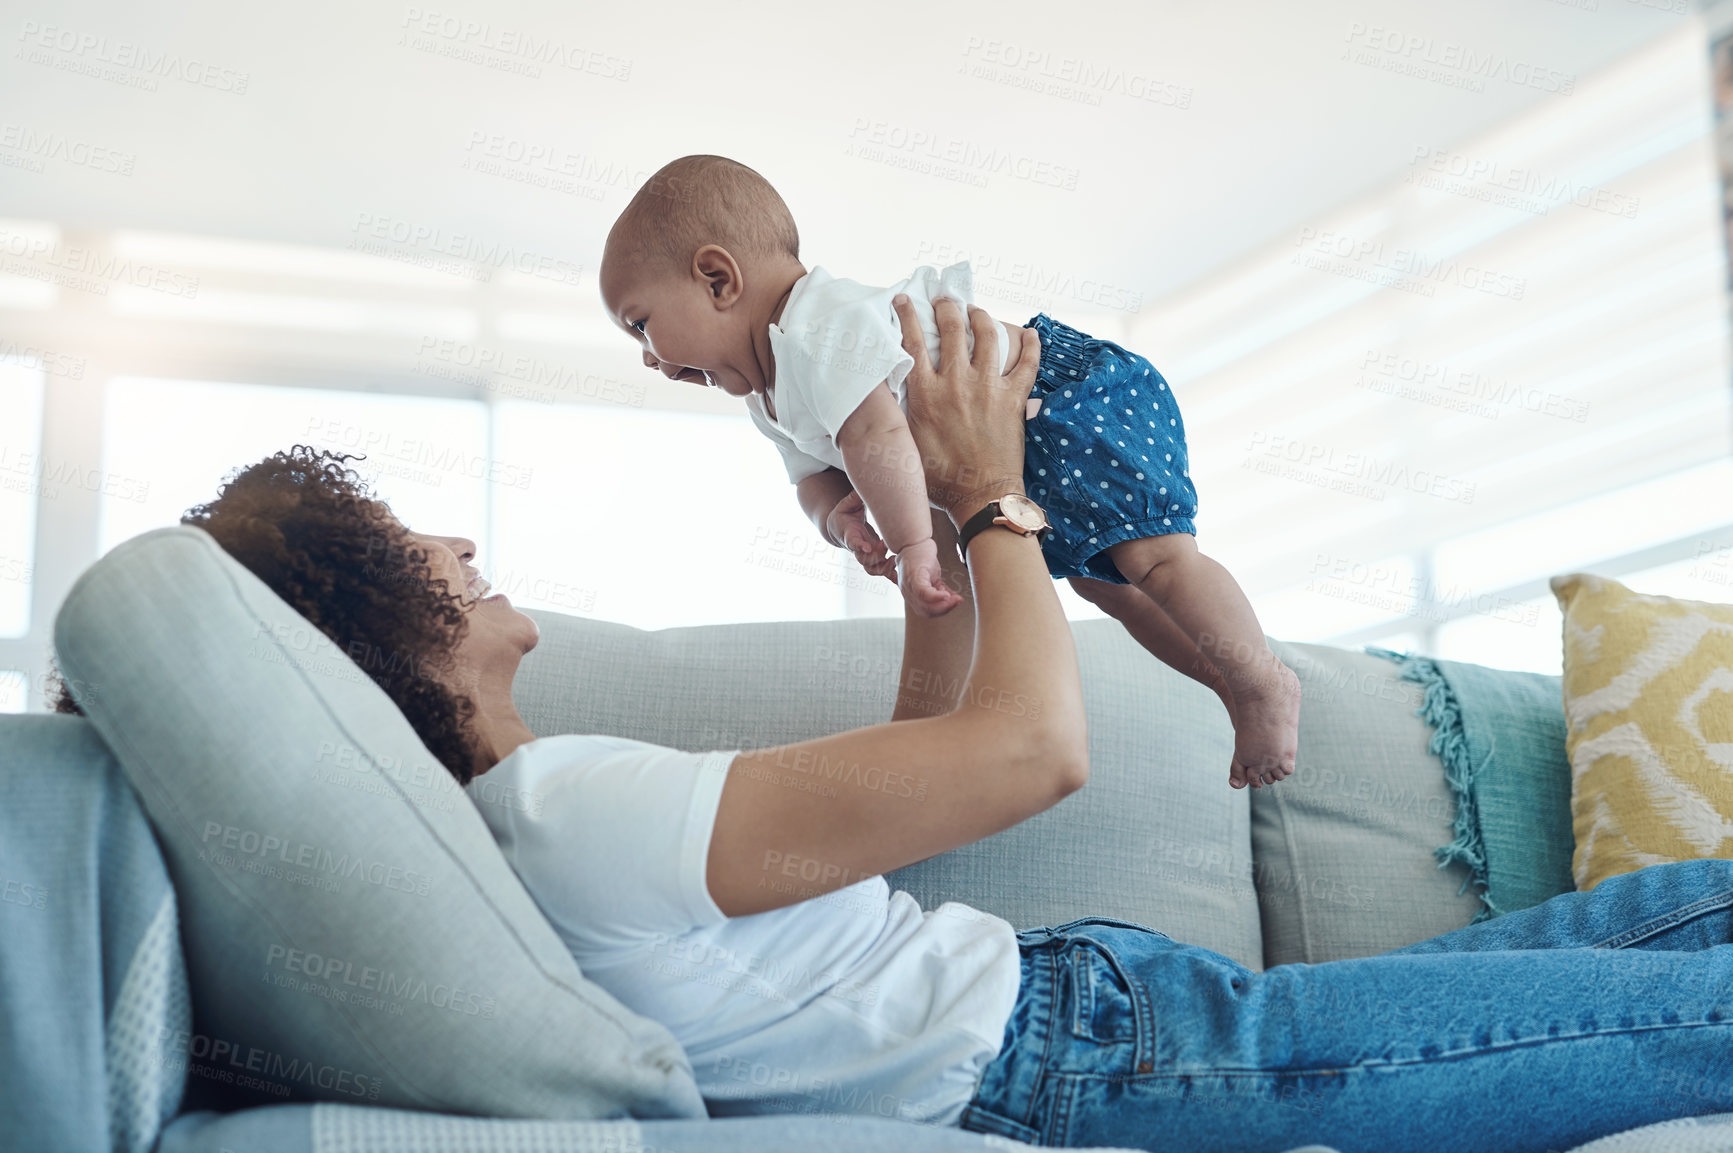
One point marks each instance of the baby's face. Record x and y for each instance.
(673, 320)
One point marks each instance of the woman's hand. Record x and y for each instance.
(967, 420)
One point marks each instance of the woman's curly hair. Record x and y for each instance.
(310, 528)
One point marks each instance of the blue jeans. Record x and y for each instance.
(1586, 1015)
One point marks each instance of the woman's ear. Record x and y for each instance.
(720, 273)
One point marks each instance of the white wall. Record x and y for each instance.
(342, 116)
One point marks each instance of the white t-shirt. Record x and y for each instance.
(837, 341)
(853, 1002)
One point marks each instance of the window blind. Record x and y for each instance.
(1512, 325)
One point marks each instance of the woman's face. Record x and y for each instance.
(497, 632)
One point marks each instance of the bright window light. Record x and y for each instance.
(22, 242)
(589, 327)
(1572, 412)
(282, 310)
(14, 691)
(22, 292)
(1669, 508)
(296, 260)
(21, 481)
(1340, 596)
(1075, 607)
(1707, 576)
(1526, 635)
(658, 519)
(169, 444)
(1404, 642)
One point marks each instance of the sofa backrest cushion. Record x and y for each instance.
(352, 931)
(1157, 836)
(1345, 846)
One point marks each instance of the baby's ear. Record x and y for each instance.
(720, 273)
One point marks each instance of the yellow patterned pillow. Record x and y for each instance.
(1648, 696)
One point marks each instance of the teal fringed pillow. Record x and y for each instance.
(1501, 736)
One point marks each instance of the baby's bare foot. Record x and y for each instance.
(1266, 717)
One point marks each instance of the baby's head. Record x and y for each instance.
(694, 267)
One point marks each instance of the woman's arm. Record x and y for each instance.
(936, 650)
(872, 800)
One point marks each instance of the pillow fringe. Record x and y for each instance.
(1441, 711)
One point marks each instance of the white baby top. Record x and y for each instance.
(836, 341)
(854, 1002)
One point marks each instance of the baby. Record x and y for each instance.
(703, 270)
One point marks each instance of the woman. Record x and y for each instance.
(664, 873)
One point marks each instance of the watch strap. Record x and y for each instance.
(975, 525)
(992, 515)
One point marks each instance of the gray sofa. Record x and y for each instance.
(131, 1027)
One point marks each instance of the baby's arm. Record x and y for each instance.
(885, 467)
(836, 510)
(818, 494)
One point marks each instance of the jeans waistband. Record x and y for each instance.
(1003, 1100)
(1009, 1095)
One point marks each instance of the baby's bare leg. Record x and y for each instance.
(1204, 601)
(1152, 628)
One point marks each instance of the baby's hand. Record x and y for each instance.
(847, 523)
(923, 582)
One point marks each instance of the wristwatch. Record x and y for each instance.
(1013, 511)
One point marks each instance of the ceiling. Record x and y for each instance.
(1170, 137)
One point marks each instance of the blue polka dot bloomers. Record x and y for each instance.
(1106, 455)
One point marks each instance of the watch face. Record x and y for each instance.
(1022, 512)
